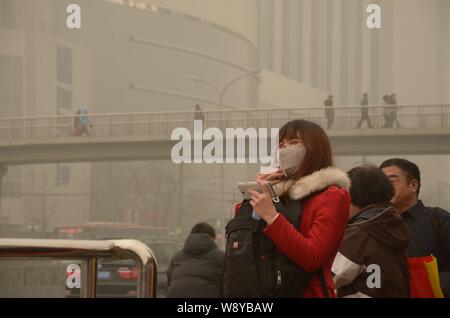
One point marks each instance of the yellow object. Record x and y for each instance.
(433, 275)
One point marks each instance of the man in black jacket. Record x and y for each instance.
(196, 270)
(430, 227)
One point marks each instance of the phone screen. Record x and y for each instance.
(244, 187)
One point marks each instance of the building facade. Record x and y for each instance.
(128, 56)
(327, 44)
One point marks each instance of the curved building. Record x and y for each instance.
(128, 56)
(165, 55)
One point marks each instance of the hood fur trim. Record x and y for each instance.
(314, 182)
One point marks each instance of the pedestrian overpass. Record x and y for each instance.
(424, 129)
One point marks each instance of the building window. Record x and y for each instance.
(11, 189)
(63, 174)
(12, 183)
(64, 65)
(11, 86)
(64, 99)
(7, 18)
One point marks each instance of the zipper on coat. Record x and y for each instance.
(279, 278)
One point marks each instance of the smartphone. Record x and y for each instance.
(244, 187)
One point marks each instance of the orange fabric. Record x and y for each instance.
(424, 277)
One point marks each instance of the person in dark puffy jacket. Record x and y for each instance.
(196, 270)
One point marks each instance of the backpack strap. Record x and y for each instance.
(323, 284)
(292, 210)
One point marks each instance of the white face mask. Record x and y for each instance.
(290, 158)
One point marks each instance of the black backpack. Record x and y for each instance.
(253, 266)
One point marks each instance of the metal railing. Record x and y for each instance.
(88, 252)
(160, 124)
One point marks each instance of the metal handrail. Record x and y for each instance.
(162, 123)
(241, 110)
(90, 252)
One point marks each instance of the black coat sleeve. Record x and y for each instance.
(443, 219)
(169, 273)
(171, 268)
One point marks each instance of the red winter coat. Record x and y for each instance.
(322, 226)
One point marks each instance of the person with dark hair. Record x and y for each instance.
(375, 235)
(365, 111)
(394, 110)
(196, 270)
(204, 228)
(329, 111)
(387, 112)
(309, 184)
(85, 122)
(430, 227)
(77, 124)
(199, 113)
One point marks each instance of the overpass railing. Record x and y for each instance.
(161, 124)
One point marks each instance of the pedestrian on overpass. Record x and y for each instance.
(77, 124)
(394, 110)
(365, 111)
(199, 113)
(387, 112)
(329, 111)
(85, 122)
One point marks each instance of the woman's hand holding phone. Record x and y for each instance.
(262, 203)
(273, 178)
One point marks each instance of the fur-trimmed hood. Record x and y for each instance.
(314, 182)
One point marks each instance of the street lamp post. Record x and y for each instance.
(221, 94)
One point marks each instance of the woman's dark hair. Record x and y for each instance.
(410, 169)
(316, 142)
(204, 228)
(369, 186)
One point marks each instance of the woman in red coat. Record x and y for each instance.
(307, 173)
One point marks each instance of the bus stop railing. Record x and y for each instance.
(88, 252)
